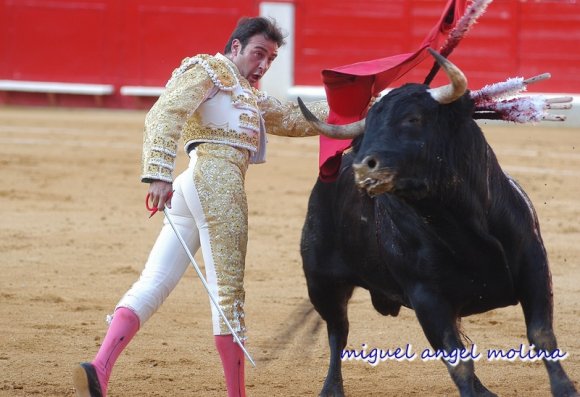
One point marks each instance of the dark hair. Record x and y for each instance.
(249, 27)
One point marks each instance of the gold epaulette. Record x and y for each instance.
(222, 74)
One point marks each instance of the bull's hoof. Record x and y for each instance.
(331, 394)
(332, 389)
(486, 393)
(481, 390)
(566, 391)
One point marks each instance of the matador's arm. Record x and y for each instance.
(286, 119)
(165, 120)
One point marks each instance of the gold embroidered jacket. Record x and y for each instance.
(207, 100)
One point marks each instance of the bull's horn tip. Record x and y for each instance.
(305, 111)
(438, 57)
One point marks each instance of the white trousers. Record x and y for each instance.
(198, 214)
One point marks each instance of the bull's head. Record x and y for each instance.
(404, 135)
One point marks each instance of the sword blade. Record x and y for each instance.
(202, 278)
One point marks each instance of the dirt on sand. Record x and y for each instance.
(75, 234)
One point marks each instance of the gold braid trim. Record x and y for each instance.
(260, 95)
(219, 70)
(196, 133)
(160, 163)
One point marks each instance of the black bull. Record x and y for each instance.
(441, 230)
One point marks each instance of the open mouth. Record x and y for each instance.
(375, 180)
(373, 186)
(367, 183)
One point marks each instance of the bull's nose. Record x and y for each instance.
(370, 162)
(365, 171)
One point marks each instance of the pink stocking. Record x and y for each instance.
(124, 326)
(232, 358)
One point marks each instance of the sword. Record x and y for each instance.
(212, 298)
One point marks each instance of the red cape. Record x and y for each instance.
(349, 88)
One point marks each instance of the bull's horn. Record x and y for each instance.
(451, 92)
(347, 131)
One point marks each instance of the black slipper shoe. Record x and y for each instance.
(86, 381)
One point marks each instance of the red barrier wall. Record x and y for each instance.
(513, 38)
(139, 42)
(128, 42)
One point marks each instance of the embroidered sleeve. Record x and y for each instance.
(164, 122)
(286, 119)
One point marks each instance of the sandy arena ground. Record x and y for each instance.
(74, 235)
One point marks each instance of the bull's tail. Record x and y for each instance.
(300, 328)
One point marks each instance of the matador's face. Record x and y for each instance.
(254, 60)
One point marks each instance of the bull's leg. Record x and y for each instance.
(536, 300)
(439, 323)
(331, 300)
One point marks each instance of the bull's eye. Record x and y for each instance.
(411, 121)
(414, 120)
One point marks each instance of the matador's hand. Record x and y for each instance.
(374, 99)
(159, 196)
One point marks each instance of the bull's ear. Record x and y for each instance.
(347, 131)
(451, 92)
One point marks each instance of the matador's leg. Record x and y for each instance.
(222, 219)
